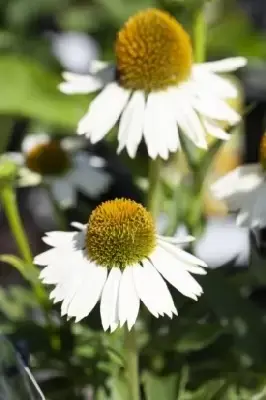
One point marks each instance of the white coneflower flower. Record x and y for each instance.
(155, 89)
(63, 165)
(244, 190)
(119, 260)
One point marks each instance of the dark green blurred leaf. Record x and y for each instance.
(28, 272)
(213, 390)
(197, 336)
(237, 314)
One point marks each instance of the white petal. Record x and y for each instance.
(97, 66)
(217, 86)
(175, 274)
(53, 274)
(78, 225)
(109, 299)
(70, 276)
(142, 282)
(66, 240)
(215, 108)
(104, 112)
(225, 65)
(33, 140)
(215, 130)
(70, 286)
(176, 240)
(181, 255)
(89, 85)
(259, 207)
(46, 257)
(160, 128)
(188, 120)
(88, 294)
(161, 295)
(131, 124)
(63, 192)
(236, 184)
(128, 299)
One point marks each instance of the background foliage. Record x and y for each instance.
(216, 348)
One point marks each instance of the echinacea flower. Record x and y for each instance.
(155, 89)
(244, 191)
(117, 258)
(63, 165)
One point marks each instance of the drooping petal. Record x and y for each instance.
(131, 124)
(188, 119)
(215, 108)
(104, 112)
(215, 130)
(163, 300)
(217, 85)
(225, 65)
(235, 186)
(181, 254)
(128, 305)
(160, 128)
(258, 216)
(175, 274)
(143, 284)
(176, 240)
(88, 294)
(109, 298)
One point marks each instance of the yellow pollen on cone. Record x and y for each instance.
(153, 52)
(120, 233)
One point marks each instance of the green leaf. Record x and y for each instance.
(28, 272)
(213, 390)
(197, 336)
(158, 388)
(237, 314)
(30, 90)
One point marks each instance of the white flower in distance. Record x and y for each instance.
(119, 260)
(63, 165)
(155, 89)
(244, 190)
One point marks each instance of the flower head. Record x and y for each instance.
(117, 258)
(155, 89)
(244, 191)
(62, 164)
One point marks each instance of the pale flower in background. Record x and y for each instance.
(155, 89)
(63, 165)
(244, 191)
(119, 260)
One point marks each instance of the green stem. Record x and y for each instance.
(9, 202)
(59, 215)
(154, 191)
(131, 364)
(199, 35)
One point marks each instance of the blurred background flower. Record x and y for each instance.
(216, 347)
